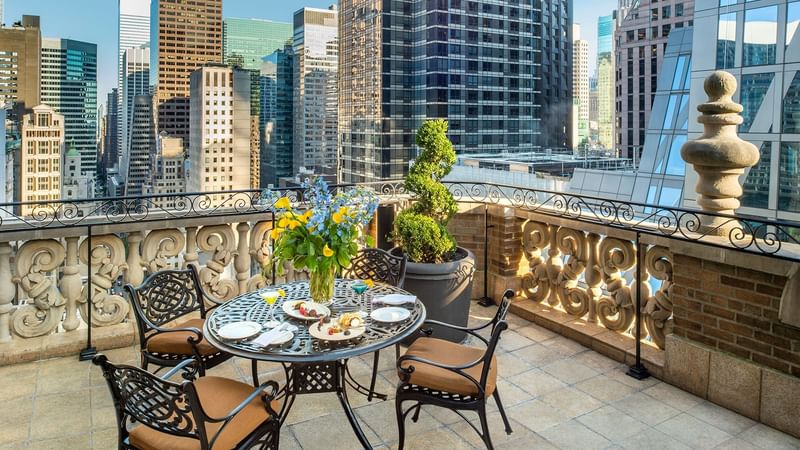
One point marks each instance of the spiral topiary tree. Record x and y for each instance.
(421, 230)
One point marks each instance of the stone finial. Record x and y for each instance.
(719, 156)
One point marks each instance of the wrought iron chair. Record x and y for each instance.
(454, 376)
(380, 266)
(209, 413)
(167, 296)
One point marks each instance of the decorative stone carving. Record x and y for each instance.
(242, 261)
(71, 285)
(190, 257)
(616, 310)
(42, 313)
(535, 238)
(719, 157)
(260, 250)
(593, 275)
(220, 240)
(107, 264)
(7, 290)
(135, 273)
(657, 312)
(159, 246)
(574, 300)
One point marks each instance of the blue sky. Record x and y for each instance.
(96, 21)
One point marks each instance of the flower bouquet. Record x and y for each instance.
(324, 238)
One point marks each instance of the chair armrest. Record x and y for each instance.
(260, 390)
(470, 331)
(214, 302)
(177, 369)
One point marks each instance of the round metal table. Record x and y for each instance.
(312, 365)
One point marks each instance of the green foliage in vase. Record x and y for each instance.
(421, 230)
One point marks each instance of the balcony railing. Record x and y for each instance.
(597, 259)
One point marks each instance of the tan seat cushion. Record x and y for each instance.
(218, 396)
(177, 343)
(451, 354)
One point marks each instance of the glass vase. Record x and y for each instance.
(321, 285)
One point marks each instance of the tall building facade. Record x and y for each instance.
(580, 89)
(316, 50)
(20, 75)
(605, 81)
(759, 43)
(135, 82)
(276, 120)
(477, 64)
(219, 159)
(39, 177)
(134, 32)
(74, 184)
(641, 39)
(111, 136)
(141, 146)
(167, 172)
(556, 95)
(185, 35)
(69, 85)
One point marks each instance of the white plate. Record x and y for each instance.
(288, 308)
(237, 331)
(390, 314)
(315, 331)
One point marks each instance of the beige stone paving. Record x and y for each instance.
(558, 394)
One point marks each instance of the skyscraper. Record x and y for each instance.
(111, 144)
(580, 88)
(245, 42)
(69, 85)
(219, 159)
(477, 64)
(641, 39)
(134, 32)
(20, 79)
(141, 146)
(275, 116)
(605, 80)
(316, 50)
(185, 35)
(39, 177)
(167, 172)
(135, 81)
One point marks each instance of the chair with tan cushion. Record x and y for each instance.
(170, 308)
(455, 376)
(211, 413)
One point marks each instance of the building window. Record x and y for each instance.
(789, 177)
(760, 36)
(754, 89)
(726, 40)
(756, 184)
(791, 107)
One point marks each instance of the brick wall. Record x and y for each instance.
(735, 310)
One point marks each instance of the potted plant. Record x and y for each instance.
(439, 272)
(325, 237)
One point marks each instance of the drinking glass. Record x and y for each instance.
(271, 297)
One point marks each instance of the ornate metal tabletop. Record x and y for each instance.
(304, 348)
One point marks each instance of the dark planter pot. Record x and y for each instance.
(445, 290)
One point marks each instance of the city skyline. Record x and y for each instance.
(96, 21)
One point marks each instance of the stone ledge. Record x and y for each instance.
(21, 350)
(612, 344)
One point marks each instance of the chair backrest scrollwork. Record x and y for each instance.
(165, 296)
(378, 265)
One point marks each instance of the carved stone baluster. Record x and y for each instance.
(190, 256)
(554, 265)
(71, 284)
(221, 241)
(7, 289)
(574, 300)
(260, 251)
(593, 275)
(159, 246)
(616, 310)
(657, 312)
(135, 273)
(535, 237)
(35, 262)
(242, 261)
(107, 262)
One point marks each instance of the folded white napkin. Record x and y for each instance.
(395, 299)
(275, 334)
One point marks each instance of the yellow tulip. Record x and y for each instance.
(293, 224)
(327, 252)
(283, 203)
(337, 217)
(284, 222)
(276, 233)
(305, 217)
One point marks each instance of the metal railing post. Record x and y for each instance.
(638, 370)
(89, 352)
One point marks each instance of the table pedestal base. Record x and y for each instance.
(316, 378)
